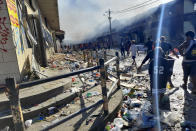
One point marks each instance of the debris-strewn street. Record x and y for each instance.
(136, 112)
(98, 65)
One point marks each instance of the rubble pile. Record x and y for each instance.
(62, 61)
(136, 112)
(83, 87)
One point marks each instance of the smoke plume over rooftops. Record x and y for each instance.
(85, 19)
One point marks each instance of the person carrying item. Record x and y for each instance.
(159, 74)
(167, 47)
(150, 57)
(188, 50)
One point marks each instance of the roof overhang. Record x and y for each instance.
(60, 32)
(49, 9)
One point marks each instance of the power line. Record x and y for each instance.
(136, 7)
(133, 6)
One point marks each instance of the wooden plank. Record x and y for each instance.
(13, 95)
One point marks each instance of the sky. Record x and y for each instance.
(85, 19)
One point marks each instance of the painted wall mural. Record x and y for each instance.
(12, 10)
(4, 30)
(13, 15)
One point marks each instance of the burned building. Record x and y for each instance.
(28, 36)
(189, 15)
(172, 26)
(178, 18)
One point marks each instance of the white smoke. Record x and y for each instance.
(84, 19)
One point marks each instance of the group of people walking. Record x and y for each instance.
(126, 46)
(161, 63)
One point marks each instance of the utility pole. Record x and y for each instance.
(110, 18)
(110, 27)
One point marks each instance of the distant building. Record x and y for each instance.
(179, 18)
(189, 15)
(172, 26)
(27, 36)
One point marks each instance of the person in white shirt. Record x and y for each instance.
(133, 52)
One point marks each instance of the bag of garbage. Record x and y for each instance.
(118, 122)
(28, 123)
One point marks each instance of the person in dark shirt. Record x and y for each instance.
(158, 74)
(150, 56)
(189, 64)
(122, 48)
(167, 47)
(158, 81)
(161, 69)
(127, 46)
(149, 45)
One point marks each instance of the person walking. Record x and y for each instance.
(160, 70)
(133, 52)
(149, 45)
(127, 46)
(122, 48)
(167, 48)
(188, 50)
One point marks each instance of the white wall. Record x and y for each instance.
(8, 59)
(188, 6)
(188, 26)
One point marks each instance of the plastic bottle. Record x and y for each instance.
(89, 94)
(131, 93)
(118, 122)
(95, 93)
(125, 91)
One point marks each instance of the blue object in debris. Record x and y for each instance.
(147, 121)
(188, 124)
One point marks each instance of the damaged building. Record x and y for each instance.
(178, 18)
(30, 34)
